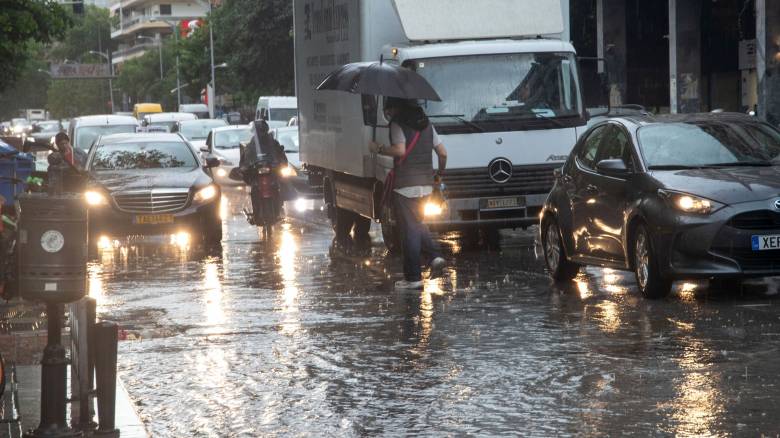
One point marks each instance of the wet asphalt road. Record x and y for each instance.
(294, 338)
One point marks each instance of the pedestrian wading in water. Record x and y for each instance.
(412, 142)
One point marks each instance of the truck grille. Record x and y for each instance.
(152, 201)
(476, 183)
(756, 220)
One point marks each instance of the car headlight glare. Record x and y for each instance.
(95, 198)
(205, 194)
(689, 203)
(288, 171)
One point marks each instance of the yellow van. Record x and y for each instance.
(142, 109)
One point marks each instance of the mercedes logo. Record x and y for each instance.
(500, 170)
(777, 204)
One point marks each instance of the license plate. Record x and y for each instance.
(153, 219)
(761, 243)
(502, 203)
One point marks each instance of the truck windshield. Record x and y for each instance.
(500, 92)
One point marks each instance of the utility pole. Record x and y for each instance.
(213, 76)
(111, 75)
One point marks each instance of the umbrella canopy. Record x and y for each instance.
(380, 79)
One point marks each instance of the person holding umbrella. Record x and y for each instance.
(413, 139)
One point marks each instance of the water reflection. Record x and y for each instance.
(288, 249)
(213, 299)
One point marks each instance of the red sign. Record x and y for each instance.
(187, 27)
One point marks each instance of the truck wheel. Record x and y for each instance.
(342, 221)
(390, 231)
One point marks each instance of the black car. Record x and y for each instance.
(673, 197)
(149, 184)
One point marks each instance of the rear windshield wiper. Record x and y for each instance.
(460, 118)
(743, 164)
(672, 167)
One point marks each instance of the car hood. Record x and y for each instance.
(150, 179)
(728, 185)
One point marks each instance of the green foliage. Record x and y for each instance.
(90, 32)
(78, 97)
(255, 38)
(139, 78)
(23, 22)
(29, 91)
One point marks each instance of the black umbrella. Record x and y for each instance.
(381, 79)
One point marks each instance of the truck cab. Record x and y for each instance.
(510, 112)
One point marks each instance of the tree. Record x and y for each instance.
(75, 97)
(255, 38)
(23, 22)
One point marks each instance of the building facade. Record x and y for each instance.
(682, 56)
(140, 25)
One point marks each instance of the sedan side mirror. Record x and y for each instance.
(205, 149)
(612, 167)
(212, 162)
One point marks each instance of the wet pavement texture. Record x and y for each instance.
(296, 337)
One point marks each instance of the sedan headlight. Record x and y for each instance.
(205, 194)
(689, 203)
(95, 198)
(288, 171)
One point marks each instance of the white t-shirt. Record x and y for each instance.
(397, 136)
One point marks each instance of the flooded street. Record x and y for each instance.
(294, 337)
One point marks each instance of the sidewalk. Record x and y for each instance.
(22, 339)
(29, 384)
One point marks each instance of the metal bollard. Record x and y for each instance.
(106, 338)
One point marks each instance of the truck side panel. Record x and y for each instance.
(329, 34)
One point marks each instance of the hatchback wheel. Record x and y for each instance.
(559, 267)
(648, 277)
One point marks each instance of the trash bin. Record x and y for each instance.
(15, 167)
(52, 247)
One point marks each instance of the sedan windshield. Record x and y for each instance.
(508, 89)
(710, 143)
(86, 135)
(147, 155)
(231, 139)
(199, 130)
(48, 127)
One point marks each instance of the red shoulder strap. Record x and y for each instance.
(410, 148)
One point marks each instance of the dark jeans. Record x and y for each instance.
(415, 235)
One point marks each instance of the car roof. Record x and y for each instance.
(141, 137)
(286, 129)
(649, 119)
(170, 117)
(232, 128)
(193, 121)
(106, 119)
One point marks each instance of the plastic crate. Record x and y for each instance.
(13, 165)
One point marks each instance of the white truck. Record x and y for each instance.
(510, 113)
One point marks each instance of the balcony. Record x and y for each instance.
(129, 53)
(153, 23)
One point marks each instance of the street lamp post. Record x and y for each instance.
(213, 76)
(159, 46)
(111, 75)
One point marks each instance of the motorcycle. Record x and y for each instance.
(261, 168)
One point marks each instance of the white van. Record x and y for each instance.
(277, 110)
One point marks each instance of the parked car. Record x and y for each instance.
(200, 110)
(83, 131)
(167, 120)
(196, 131)
(225, 144)
(151, 184)
(44, 132)
(674, 197)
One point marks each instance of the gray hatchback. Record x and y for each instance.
(673, 197)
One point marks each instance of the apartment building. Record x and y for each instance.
(140, 25)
